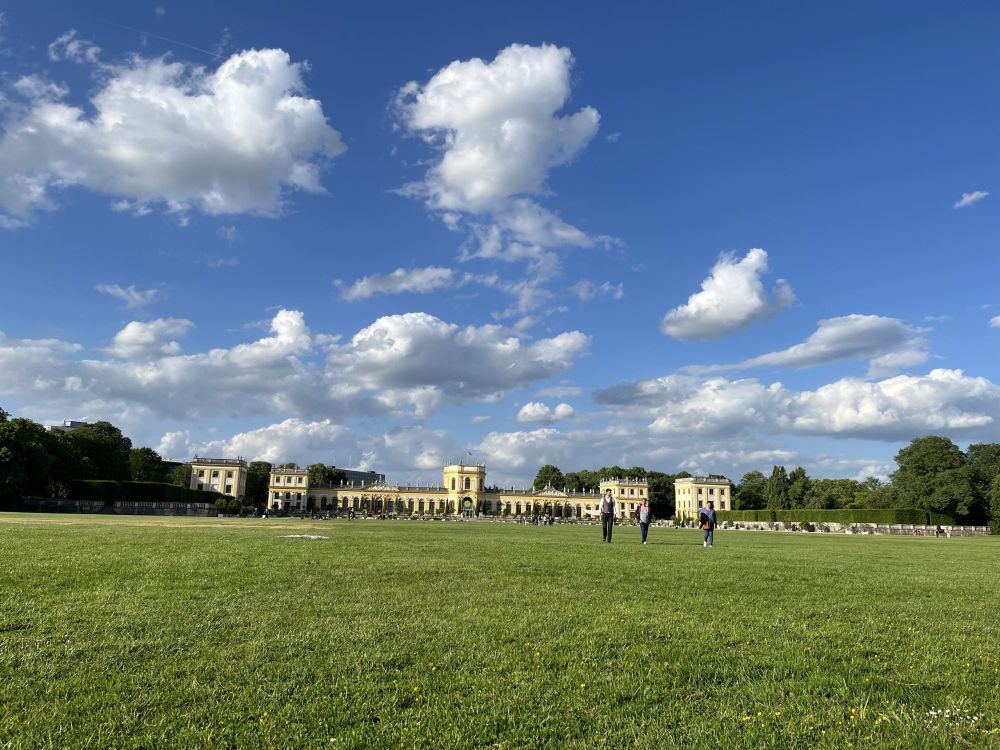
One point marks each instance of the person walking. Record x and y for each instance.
(607, 516)
(707, 520)
(645, 516)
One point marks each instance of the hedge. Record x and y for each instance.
(137, 492)
(101, 490)
(909, 516)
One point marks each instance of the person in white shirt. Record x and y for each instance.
(607, 516)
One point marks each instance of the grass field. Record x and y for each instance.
(141, 632)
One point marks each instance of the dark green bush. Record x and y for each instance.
(101, 490)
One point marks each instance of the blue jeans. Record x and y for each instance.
(644, 528)
(710, 536)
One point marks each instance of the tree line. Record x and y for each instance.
(932, 474)
(36, 462)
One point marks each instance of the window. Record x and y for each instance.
(229, 475)
(699, 503)
(215, 474)
(640, 492)
(275, 495)
(201, 472)
(722, 505)
(468, 483)
(711, 491)
(631, 491)
(300, 480)
(453, 482)
(229, 489)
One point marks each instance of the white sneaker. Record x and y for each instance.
(705, 543)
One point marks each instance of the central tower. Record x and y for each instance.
(464, 482)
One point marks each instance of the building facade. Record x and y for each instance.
(693, 493)
(463, 492)
(225, 475)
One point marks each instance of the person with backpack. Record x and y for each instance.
(607, 516)
(644, 515)
(707, 521)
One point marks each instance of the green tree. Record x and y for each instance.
(578, 481)
(995, 504)
(983, 460)
(798, 487)
(933, 475)
(828, 493)
(181, 475)
(612, 472)
(258, 480)
(776, 491)
(873, 493)
(146, 465)
(550, 475)
(104, 451)
(25, 462)
(751, 493)
(323, 474)
(662, 501)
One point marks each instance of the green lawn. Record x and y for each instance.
(141, 632)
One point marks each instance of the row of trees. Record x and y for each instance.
(933, 474)
(34, 461)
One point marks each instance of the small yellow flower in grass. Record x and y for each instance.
(583, 686)
(747, 718)
(777, 713)
(537, 654)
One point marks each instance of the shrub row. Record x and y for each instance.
(913, 516)
(110, 492)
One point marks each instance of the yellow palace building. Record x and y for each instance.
(463, 493)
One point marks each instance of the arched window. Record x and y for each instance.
(453, 482)
(468, 483)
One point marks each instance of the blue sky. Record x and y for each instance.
(710, 237)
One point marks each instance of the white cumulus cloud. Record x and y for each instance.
(895, 408)
(151, 340)
(155, 132)
(731, 298)
(497, 125)
(538, 412)
(498, 129)
(406, 364)
(995, 321)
